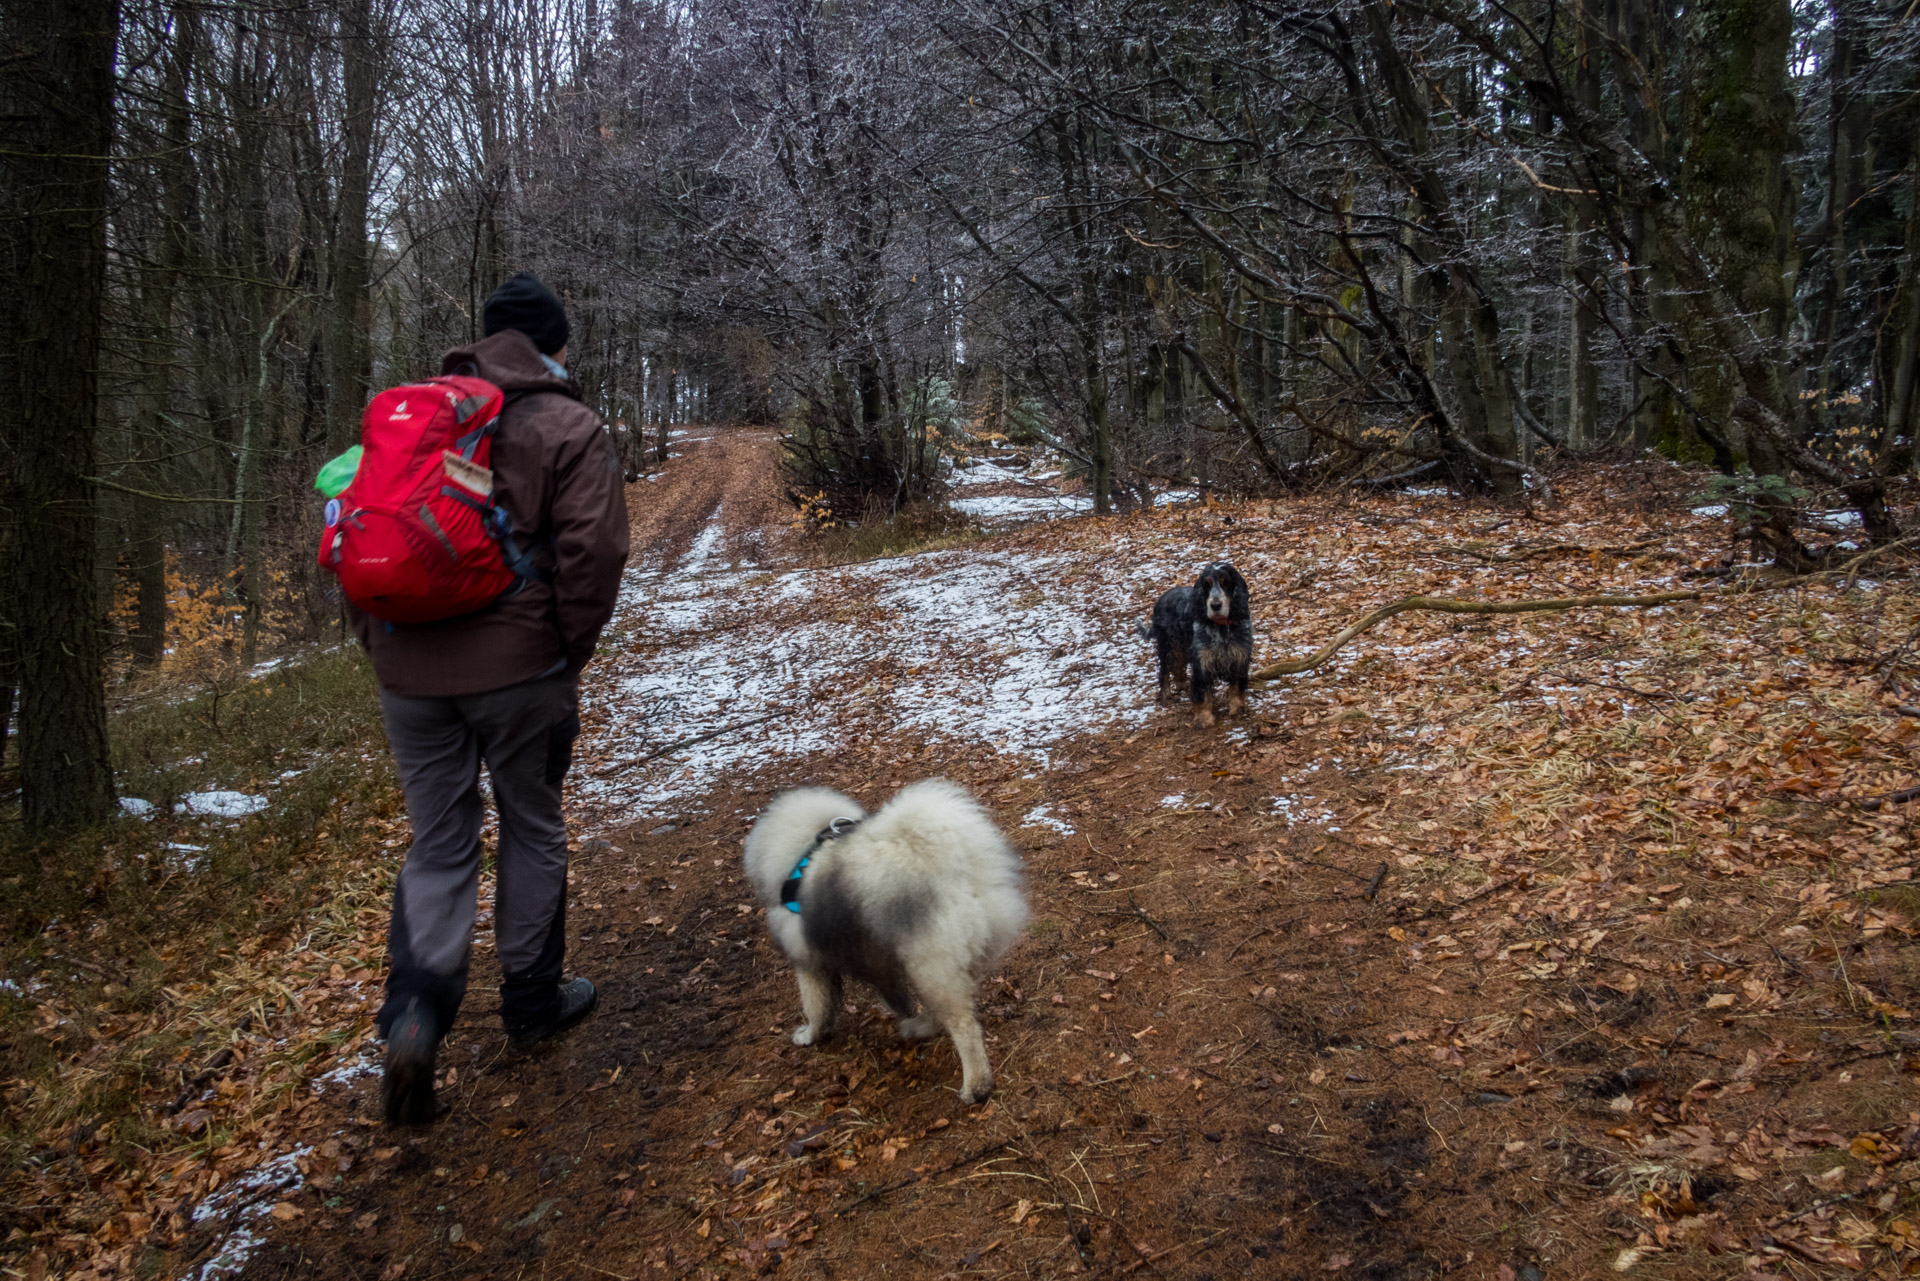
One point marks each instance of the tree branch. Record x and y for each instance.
(1444, 605)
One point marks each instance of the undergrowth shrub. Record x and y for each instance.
(919, 528)
(132, 950)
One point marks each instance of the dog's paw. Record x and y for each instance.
(1236, 703)
(1204, 718)
(918, 1028)
(803, 1035)
(978, 1092)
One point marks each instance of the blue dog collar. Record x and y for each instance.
(790, 892)
(790, 889)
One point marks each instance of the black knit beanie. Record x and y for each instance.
(525, 304)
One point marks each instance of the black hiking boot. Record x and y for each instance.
(406, 1091)
(577, 999)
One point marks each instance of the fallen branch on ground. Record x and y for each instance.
(1493, 888)
(1873, 803)
(206, 1074)
(1150, 1259)
(948, 1168)
(1852, 568)
(1622, 687)
(1373, 886)
(1445, 605)
(1371, 882)
(1547, 549)
(671, 748)
(1136, 911)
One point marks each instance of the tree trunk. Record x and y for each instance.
(245, 553)
(350, 374)
(57, 105)
(1738, 113)
(1584, 263)
(1638, 37)
(1901, 419)
(1484, 409)
(1583, 375)
(669, 403)
(1469, 324)
(9, 605)
(1850, 119)
(146, 543)
(1099, 431)
(1496, 391)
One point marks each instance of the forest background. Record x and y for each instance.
(1258, 246)
(1304, 254)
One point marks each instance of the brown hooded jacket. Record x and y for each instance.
(555, 471)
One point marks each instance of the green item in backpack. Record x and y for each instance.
(338, 473)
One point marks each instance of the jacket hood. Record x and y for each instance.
(511, 362)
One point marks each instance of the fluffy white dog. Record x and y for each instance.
(920, 900)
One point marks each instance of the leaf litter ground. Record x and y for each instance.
(1556, 942)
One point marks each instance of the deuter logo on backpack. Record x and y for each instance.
(416, 535)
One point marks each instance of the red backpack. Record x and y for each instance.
(416, 536)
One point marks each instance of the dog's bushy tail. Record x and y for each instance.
(1143, 631)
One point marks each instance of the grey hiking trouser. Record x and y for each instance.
(524, 733)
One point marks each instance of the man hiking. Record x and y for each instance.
(499, 685)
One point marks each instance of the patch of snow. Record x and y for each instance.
(983, 473)
(1178, 798)
(136, 807)
(1428, 491)
(220, 804)
(243, 1202)
(1845, 519)
(1293, 809)
(1013, 509)
(294, 659)
(704, 556)
(1043, 816)
(755, 655)
(1712, 510)
(365, 1063)
(191, 864)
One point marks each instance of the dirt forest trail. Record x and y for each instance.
(1463, 958)
(726, 480)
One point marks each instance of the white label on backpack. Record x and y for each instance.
(472, 477)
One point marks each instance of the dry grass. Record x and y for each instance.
(136, 965)
(926, 528)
